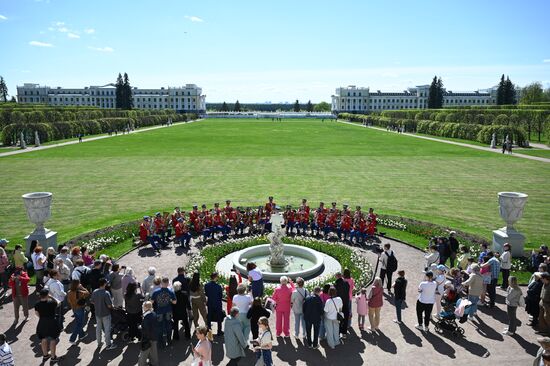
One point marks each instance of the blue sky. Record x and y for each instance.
(258, 51)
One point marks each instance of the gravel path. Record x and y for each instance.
(483, 343)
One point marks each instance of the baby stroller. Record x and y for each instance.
(119, 324)
(450, 313)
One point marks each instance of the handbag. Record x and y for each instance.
(339, 314)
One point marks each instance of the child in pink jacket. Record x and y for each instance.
(362, 307)
(281, 296)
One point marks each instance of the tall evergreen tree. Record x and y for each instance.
(119, 85)
(501, 91)
(297, 106)
(224, 107)
(3, 90)
(509, 92)
(128, 101)
(435, 94)
(309, 106)
(237, 106)
(440, 91)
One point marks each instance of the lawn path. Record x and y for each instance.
(44, 147)
(498, 151)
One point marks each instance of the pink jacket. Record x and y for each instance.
(282, 295)
(362, 304)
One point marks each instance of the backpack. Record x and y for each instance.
(391, 264)
(84, 278)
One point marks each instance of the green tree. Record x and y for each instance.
(309, 106)
(237, 107)
(501, 91)
(435, 94)
(224, 107)
(128, 101)
(532, 93)
(321, 107)
(509, 92)
(3, 90)
(119, 85)
(296, 106)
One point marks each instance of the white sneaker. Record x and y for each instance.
(111, 347)
(396, 321)
(426, 329)
(508, 332)
(419, 327)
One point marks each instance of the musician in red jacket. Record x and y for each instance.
(175, 216)
(289, 219)
(160, 229)
(331, 222)
(372, 221)
(319, 219)
(227, 209)
(194, 219)
(183, 237)
(207, 229)
(146, 235)
(345, 225)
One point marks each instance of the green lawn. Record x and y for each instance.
(99, 183)
(535, 152)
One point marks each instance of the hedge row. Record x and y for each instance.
(466, 131)
(69, 129)
(40, 114)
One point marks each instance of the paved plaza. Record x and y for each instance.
(483, 342)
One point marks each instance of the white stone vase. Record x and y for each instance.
(511, 206)
(38, 205)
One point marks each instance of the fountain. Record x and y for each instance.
(277, 259)
(38, 205)
(511, 206)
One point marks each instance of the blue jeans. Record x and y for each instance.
(398, 307)
(322, 331)
(333, 332)
(184, 239)
(105, 325)
(473, 307)
(266, 354)
(299, 319)
(152, 241)
(164, 327)
(79, 321)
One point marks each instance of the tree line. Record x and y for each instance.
(269, 107)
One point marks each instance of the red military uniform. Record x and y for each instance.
(269, 207)
(144, 231)
(332, 218)
(159, 224)
(320, 217)
(372, 223)
(345, 222)
(181, 228)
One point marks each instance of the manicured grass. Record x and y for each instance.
(116, 250)
(470, 142)
(115, 180)
(534, 152)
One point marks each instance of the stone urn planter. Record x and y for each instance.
(511, 205)
(38, 206)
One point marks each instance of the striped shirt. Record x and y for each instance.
(6, 356)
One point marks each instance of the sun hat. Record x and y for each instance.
(4, 241)
(441, 267)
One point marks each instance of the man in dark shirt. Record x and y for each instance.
(313, 311)
(214, 294)
(184, 280)
(342, 290)
(149, 336)
(454, 245)
(95, 274)
(400, 293)
(163, 298)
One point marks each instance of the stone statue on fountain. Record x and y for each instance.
(276, 246)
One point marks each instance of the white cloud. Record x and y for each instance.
(63, 29)
(3, 17)
(51, 29)
(546, 60)
(40, 44)
(194, 18)
(102, 49)
(73, 35)
(89, 30)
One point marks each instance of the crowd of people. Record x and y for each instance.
(157, 310)
(205, 224)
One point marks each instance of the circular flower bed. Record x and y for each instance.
(354, 259)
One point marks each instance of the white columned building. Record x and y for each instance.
(188, 98)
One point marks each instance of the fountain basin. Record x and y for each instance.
(302, 262)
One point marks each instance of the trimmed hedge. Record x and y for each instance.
(58, 130)
(437, 127)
